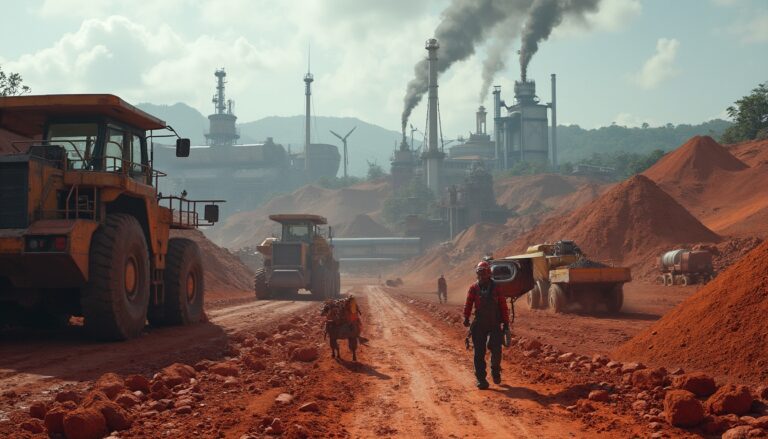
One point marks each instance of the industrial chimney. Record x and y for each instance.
(308, 78)
(433, 157)
(553, 106)
(480, 116)
(222, 130)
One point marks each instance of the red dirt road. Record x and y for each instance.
(413, 379)
(423, 386)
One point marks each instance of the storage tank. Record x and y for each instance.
(685, 267)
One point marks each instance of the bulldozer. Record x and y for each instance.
(302, 258)
(564, 276)
(83, 228)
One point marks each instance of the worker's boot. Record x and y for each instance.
(482, 384)
(496, 378)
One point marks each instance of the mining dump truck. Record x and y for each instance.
(685, 267)
(564, 276)
(301, 259)
(83, 229)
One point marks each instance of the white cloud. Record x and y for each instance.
(754, 31)
(659, 67)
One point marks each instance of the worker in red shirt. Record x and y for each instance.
(490, 323)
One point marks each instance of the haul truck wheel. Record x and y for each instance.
(557, 299)
(114, 302)
(183, 284)
(533, 298)
(260, 285)
(615, 299)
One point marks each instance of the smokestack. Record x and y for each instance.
(554, 123)
(433, 157)
(432, 46)
(496, 117)
(308, 78)
(219, 99)
(481, 120)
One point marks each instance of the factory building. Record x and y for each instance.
(246, 174)
(522, 135)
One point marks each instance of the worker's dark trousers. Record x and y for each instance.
(491, 338)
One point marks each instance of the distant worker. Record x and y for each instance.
(490, 323)
(442, 290)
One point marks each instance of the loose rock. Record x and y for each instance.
(683, 409)
(85, 423)
(730, 399)
(698, 383)
(111, 384)
(310, 407)
(305, 354)
(137, 383)
(38, 409)
(224, 369)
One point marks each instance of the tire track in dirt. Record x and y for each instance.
(45, 361)
(428, 389)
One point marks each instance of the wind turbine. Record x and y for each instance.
(344, 141)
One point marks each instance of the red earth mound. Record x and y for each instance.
(717, 187)
(753, 153)
(720, 329)
(339, 206)
(694, 161)
(224, 272)
(364, 227)
(624, 225)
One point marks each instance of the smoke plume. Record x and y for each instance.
(465, 23)
(498, 50)
(543, 16)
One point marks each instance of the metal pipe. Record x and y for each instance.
(554, 122)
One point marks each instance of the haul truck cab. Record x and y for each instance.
(83, 229)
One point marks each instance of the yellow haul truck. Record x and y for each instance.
(301, 259)
(564, 276)
(83, 229)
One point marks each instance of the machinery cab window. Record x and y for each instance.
(298, 232)
(79, 141)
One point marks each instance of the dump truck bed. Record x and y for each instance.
(590, 275)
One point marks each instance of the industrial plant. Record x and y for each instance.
(253, 171)
(522, 136)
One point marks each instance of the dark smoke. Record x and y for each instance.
(465, 23)
(543, 16)
(498, 50)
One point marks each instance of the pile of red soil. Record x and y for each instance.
(224, 272)
(721, 329)
(364, 227)
(696, 160)
(627, 224)
(753, 153)
(339, 206)
(717, 187)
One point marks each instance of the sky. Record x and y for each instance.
(633, 61)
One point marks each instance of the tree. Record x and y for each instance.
(375, 171)
(750, 116)
(11, 84)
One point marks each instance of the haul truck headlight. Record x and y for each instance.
(43, 244)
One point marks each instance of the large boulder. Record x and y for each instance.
(177, 373)
(116, 417)
(85, 423)
(54, 417)
(137, 382)
(683, 409)
(730, 399)
(111, 384)
(648, 379)
(698, 383)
